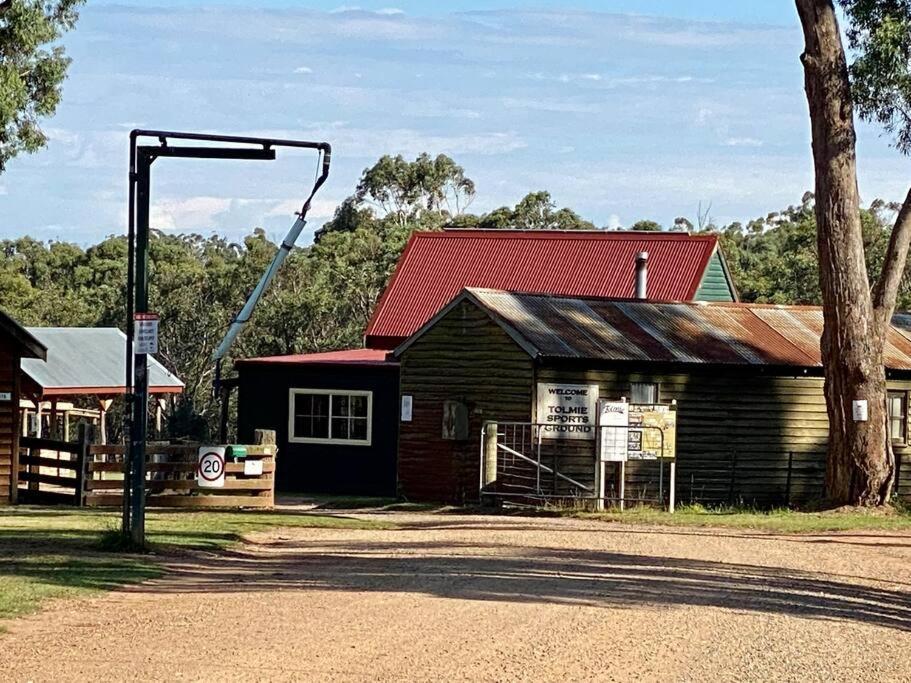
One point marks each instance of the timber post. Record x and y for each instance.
(85, 438)
(490, 454)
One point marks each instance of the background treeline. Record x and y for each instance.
(325, 294)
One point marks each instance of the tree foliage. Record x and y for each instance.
(879, 34)
(32, 69)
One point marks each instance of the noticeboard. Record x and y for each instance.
(652, 433)
(567, 411)
(613, 421)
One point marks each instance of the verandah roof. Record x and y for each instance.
(88, 360)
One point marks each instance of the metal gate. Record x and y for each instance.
(519, 463)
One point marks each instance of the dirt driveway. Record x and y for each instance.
(491, 598)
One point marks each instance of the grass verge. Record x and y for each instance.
(58, 552)
(773, 521)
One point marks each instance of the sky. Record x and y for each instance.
(622, 109)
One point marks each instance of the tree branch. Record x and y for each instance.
(885, 291)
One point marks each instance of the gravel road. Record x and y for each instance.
(474, 598)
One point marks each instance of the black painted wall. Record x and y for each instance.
(323, 468)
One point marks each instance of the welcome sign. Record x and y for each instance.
(567, 411)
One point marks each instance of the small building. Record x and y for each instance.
(83, 372)
(335, 416)
(16, 344)
(433, 268)
(752, 425)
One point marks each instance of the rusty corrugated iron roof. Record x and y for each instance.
(670, 332)
(436, 266)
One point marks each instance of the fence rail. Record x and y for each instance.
(52, 471)
(518, 465)
(87, 474)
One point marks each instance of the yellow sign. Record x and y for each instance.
(652, 432)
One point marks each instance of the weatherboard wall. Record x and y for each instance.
(467, 358)
(715, 285)
(737, 432)
(9, 420)
(740, 430)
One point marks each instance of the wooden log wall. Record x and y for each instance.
(467, 358)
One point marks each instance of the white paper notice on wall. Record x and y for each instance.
(6, 396)
(253, 468)
(613, 422)
(859, 410)
(407, 404)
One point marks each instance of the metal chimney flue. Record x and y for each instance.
(642, 275)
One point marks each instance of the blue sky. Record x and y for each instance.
(622, 109)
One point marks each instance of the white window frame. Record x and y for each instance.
(292, 393)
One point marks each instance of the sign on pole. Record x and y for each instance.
(567, 411)
(210, 473)
(145, 333)
(613, 421)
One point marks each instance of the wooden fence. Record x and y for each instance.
(91, 475)
(53, 472)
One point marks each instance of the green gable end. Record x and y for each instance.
(715, 285)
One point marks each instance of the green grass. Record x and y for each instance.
(57, 552)
(775, 521)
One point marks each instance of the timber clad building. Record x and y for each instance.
(751, 423)
(337, 414)
(16, 343)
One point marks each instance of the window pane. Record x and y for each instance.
(359, 406)
(340, 428)
(320, 404)
(303, 404)
(319, 427)
(643, 393)
(359, 428)
(302, 427)
(339, 405)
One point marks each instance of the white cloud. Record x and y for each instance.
(319, 208)
(743, 142)
(390, 11)
(550, 104)
(303, 70)
(371, 143)
(204, 212)
(188, 215)
(613, 222)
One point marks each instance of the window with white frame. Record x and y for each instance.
(330, 416)
(898, 416)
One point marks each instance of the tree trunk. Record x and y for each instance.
(860, 465)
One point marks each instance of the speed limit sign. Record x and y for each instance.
(210, 473)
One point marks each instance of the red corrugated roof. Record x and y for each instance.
(436, 266)
(350, 357)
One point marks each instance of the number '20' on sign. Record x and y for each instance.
(210, 472)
